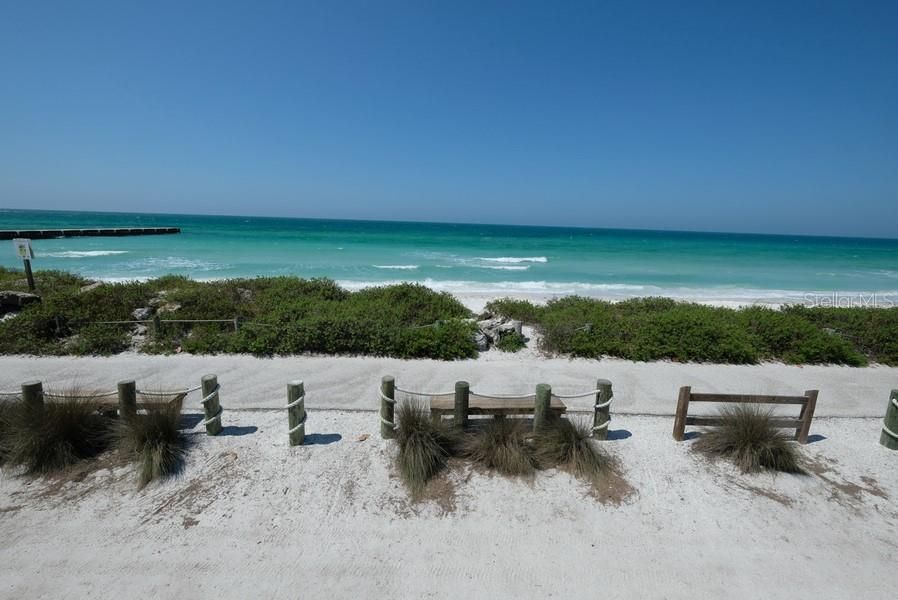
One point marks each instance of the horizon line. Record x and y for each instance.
(425, 222)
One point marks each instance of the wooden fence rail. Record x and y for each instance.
(801, 423)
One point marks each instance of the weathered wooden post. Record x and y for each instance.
(387, 404)
(889, 436)
(602, 416)
(211, 404)
(806, 416)
(296, 412)
(33, 394)
(157, 326)
(679, 429)
(127, 398)
(542, 406)
(462, 399)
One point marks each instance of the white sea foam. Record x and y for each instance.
(514, 259)
(397, 267)
(504, 268)
(162, 264)
(82, 253)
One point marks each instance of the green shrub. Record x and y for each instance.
(153, 441)
(424, 445)
(748, 438)
(283, 315)
(500, 444)
(100, 340)
(54, 436)
(519, 310)
(511, 342)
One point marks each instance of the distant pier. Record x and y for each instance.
(44, 234)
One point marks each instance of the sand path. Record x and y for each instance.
(352, 382)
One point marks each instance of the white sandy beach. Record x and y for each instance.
(251, 517)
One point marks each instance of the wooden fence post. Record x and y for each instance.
(889, 435)
(296, 412)
(602, 413)
(806, 415)
(679, 429)
(462, 400)
(387, 404)
(211, 404)
(157, 326)
(33, 394)
(127, 398)
(542, 406)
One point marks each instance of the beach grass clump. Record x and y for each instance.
(7, 406)
(425, 446)
(568, 444)
(51, 437)
(748, 437)
(501, 444)
(153, 441)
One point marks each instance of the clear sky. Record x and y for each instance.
(774, 117)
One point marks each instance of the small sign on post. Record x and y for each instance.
(24, 251)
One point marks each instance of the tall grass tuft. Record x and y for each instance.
(501, 444)
(6, 408)
(424, 445)
(567, 443)
(747, 437)
(48, 438)
(153, 441)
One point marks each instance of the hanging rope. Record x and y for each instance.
(171, 393)
(505, 396)
(426, 394)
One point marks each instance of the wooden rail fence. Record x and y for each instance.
(802, 423)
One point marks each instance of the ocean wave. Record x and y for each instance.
(397, 267)
(504, 268)
(514, 259)
(82, 253)
(175, 262)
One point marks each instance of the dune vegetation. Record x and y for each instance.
(274, 315)
(289, 315)
(648, 329)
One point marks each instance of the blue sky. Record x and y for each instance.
(776, 117)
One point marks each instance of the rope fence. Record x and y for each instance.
(542, 404)
(127, 394)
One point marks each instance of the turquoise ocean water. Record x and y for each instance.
(483, 259)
